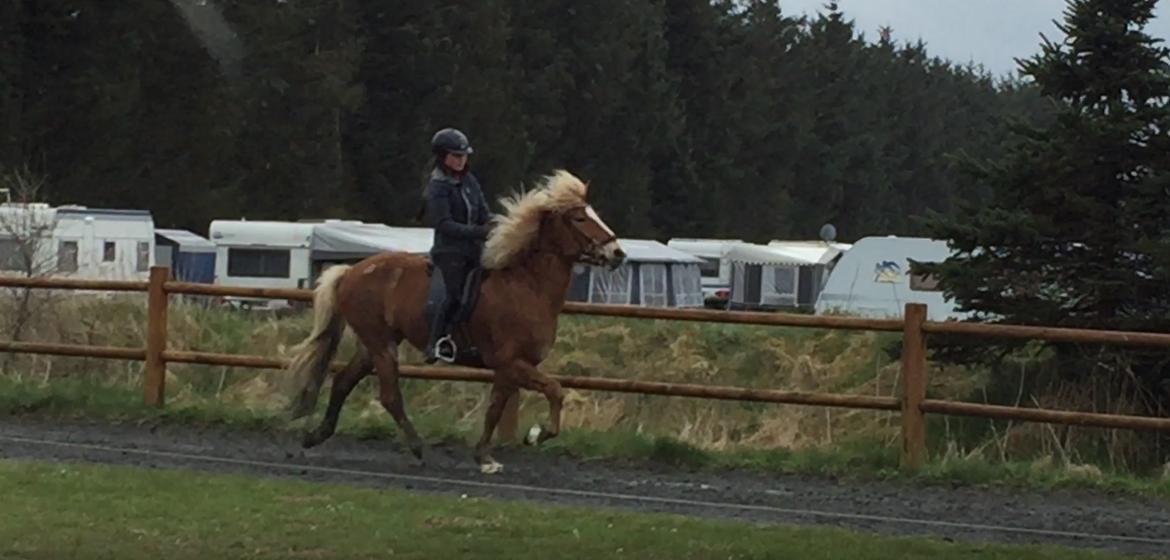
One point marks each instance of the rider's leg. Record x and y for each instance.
(454, 271)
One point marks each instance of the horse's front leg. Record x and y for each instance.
(502, 390)
(507, 379)
(529, 377)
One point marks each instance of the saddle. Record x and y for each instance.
(466, 354)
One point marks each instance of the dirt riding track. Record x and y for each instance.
(1070, 518)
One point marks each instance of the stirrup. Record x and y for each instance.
(443, 344)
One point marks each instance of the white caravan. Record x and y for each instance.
(76, 242)
(872, 279)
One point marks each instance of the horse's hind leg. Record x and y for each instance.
(358, 367)
(386, 364)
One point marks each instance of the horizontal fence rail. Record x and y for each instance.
(442, 373)
(1067, 418)
(1050, 334)
(912, 402)
(78, 350)
(195, 289)
(734, 317)
(73, 284)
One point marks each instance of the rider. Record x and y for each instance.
(457, 210)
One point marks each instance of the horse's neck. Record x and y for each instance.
(544, 277)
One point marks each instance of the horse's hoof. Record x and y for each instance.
(310, 440)
(417, 451)
(533, 436)
(491, 468)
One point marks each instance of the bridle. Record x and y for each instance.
(589, 253)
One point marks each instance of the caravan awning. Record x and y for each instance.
(351, 240)
(748, 253)
(817, 252)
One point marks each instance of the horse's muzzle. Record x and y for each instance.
(617, 259)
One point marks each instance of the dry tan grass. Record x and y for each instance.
(791, 359)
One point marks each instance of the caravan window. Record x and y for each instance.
(778, 285)
(258, 263)
(10, 255)
(654, 285)
(924, 283)
(709, 268)
(606, 286)
(109, 251)
(143, 256)
(67, 256)
(688, 290)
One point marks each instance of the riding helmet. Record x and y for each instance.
(450, 140)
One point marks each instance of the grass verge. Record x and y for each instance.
(857, 459)
(75, 511)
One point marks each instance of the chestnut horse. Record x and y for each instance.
(528, 260)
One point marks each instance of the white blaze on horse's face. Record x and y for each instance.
(611, 252)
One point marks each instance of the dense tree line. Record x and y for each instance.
(689, 117)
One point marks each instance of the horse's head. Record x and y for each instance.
(554, 218)
(578, 232)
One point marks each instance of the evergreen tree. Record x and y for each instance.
(770, 125)
(300, 89)
(702, 39)
(12, 60)
(1074, 233)
(834, 169)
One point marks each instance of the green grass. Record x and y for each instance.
(84, 512)
(859, 459)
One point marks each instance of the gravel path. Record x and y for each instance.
(1072, 518)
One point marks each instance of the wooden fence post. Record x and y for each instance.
(509, 422)
(913, 387)
(154, 381)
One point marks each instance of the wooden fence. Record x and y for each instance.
(912, 401)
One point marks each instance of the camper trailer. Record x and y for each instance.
(273, 254)
(873, 279)
(715, 268)
(261, 254)
(76, 242)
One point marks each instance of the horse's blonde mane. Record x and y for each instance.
(517, 228)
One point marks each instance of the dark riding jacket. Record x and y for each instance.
(459, 213)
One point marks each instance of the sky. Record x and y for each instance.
(987, 32)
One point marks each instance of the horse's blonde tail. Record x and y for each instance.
(311, 357)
